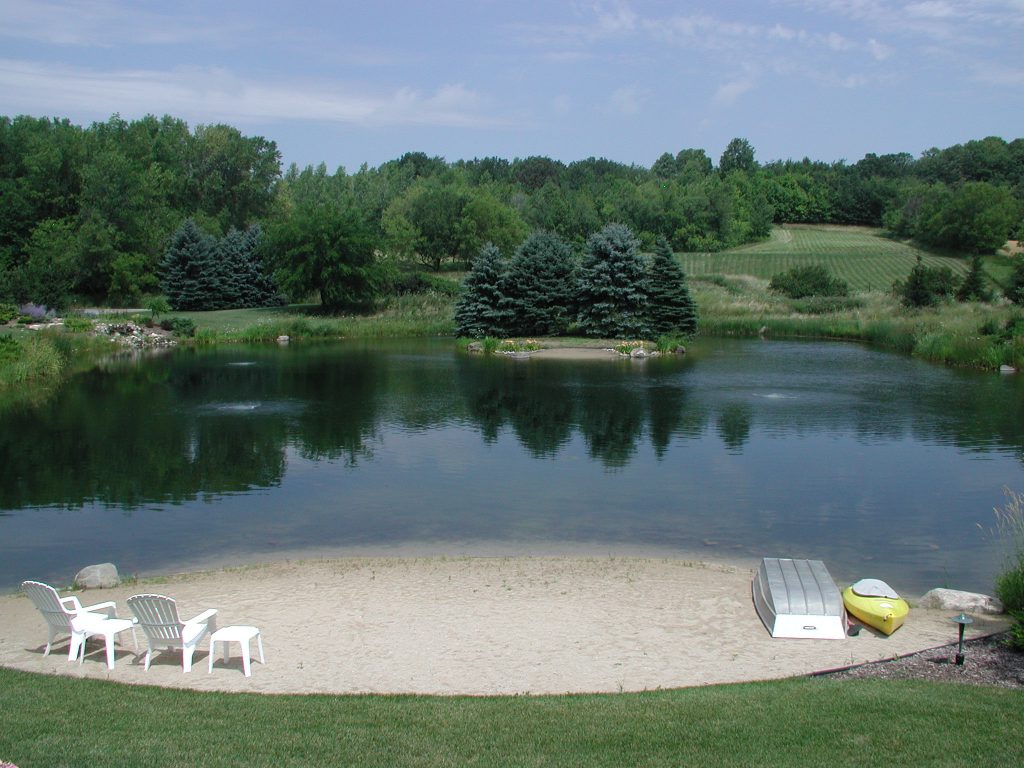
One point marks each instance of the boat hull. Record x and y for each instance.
(886, 614)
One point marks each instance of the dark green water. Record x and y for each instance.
(878, 464)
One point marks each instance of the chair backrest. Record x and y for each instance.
(158, 616)
(48, 602)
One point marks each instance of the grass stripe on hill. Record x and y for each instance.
(861, 256)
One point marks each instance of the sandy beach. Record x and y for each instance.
(521, 625)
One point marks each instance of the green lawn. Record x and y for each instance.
(64, 721)
(861, 256)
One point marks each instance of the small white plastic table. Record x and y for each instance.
(85, 625)
(241, 634)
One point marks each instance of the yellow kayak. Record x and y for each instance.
(876, 604)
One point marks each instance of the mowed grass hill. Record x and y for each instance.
(864, 257)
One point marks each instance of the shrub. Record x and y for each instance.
(422, 282)
(179, 326)
(973, 286)
(7, 313)
(10, 349)
(823, 305)
(158, 305)
(810, 280)
(78, 324)
(925, 286)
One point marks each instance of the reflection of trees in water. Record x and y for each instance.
(611, 420)
(116, 439)
(734, 426)
(210, 422)
(545, 403)
(341, 396)
(666, 406)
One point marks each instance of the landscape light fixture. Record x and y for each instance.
(963, 620)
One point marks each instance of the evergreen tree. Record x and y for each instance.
(670, 308)
(233, 263)
(478, 313)
(973, 287)
(539, 287)
(612, 289)
(925, 287)
(1016, 291)
(183, 266)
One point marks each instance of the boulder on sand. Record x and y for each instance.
(101, 576)
(955, 600)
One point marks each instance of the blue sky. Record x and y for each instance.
(353, 82)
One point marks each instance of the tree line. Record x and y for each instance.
(89, 213)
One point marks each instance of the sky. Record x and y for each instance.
(347, 83)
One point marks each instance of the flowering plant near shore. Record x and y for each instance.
(627, 347)
(509, 346)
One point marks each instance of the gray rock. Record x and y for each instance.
(283, 339)
(1007, 369)
(955, 600)
(102, 576)
(475, 346)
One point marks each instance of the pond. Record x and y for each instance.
(879, 464)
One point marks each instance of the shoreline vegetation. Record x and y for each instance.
(731, 290)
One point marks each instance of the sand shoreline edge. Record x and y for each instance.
(470, 625)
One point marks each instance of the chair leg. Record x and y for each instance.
(109, 638)
(149, 654)
(259, 643)
(49, 640)
(186, 658)
(76, 648)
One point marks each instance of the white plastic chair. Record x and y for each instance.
(158, 617)
(59, 611)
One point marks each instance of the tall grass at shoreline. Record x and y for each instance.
(952, 334)
(32, 365)
(788, 722)
(416, 314)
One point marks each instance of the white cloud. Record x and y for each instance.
(931, 10)
(206, 95)
(730, 92)
(878, 50)
(97, 23)
(995, 74)
(626, 101)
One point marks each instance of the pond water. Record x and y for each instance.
(876, 463)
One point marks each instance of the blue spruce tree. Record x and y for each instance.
(612, 289)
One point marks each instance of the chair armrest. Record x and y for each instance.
(207, 617)
(76, 604)
(109, 608)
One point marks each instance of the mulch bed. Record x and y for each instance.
(987, 661)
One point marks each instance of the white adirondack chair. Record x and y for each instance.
(158, 617)
(59, 611)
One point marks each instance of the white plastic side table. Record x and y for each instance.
(85, 625)
(241, 634)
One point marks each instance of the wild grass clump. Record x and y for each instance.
(825, 305)
(36, 358)
(78, 324)
(1009, 585)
